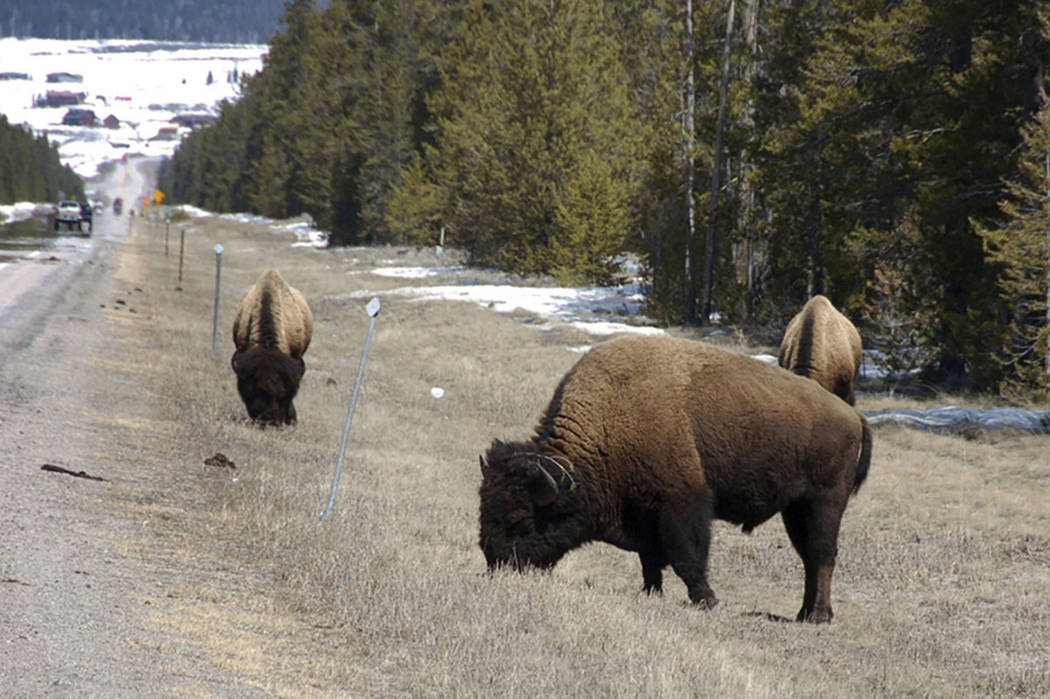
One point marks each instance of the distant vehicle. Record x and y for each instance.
(118, 206)
(86, 215)
(69, 213)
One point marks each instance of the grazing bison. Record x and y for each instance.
(820, 343)
(647, 438)
(271, 331)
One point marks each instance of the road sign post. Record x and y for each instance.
(373, 310)
(215, 314)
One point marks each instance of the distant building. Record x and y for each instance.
(192, 121)
(167, 133)
(80, 117)
(61, 98)
(64, 78)
(111, 122)
(13, 76)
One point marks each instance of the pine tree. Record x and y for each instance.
(905, 110)
(32, 169)
(414, 215)
(901, 307)
(1020, 248)
(593, 219)
(534, 95)
(395, 56)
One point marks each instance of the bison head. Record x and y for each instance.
(530, 512)
(268, 380)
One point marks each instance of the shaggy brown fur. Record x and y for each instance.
(647, 438)
(822, 344)
(271, 331)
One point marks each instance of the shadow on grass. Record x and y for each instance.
(769, 616)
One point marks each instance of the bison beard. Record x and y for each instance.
(647, 439)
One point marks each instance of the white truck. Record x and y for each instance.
(70, 214)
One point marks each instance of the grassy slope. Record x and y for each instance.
(941, 587)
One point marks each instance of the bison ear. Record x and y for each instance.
(234, 363)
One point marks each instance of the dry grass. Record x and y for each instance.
(941, 589)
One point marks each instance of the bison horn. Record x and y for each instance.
(543, 487)
(566, 468)
(481, 460)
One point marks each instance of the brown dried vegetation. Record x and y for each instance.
(941, 586)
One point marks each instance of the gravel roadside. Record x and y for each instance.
(94, 523)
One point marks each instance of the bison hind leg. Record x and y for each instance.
(813, 529)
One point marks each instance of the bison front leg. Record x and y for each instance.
(813, 528)
(685, 531)
(653, 563)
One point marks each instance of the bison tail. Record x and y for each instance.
(864, 458)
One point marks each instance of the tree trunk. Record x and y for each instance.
(747, 192)
(1046, 361)
(689, 137)
(716, 170)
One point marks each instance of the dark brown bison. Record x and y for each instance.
(822, 344)
(647, 438)
(271, 331)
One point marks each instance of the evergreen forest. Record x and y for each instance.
(217, 21)
(31, 168)
(893, 155)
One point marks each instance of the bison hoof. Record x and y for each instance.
(819, 616)
(707, 601)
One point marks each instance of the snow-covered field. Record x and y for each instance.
(142, 84)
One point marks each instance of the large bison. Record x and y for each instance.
(271, 331)
(647, 438)
(822, 344)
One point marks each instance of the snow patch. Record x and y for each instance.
(596, 310)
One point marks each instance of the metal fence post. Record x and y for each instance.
(215, 314)
(182, 248)
(373, 310)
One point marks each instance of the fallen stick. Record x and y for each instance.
(77, 474)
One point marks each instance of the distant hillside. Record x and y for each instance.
(222, 21)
